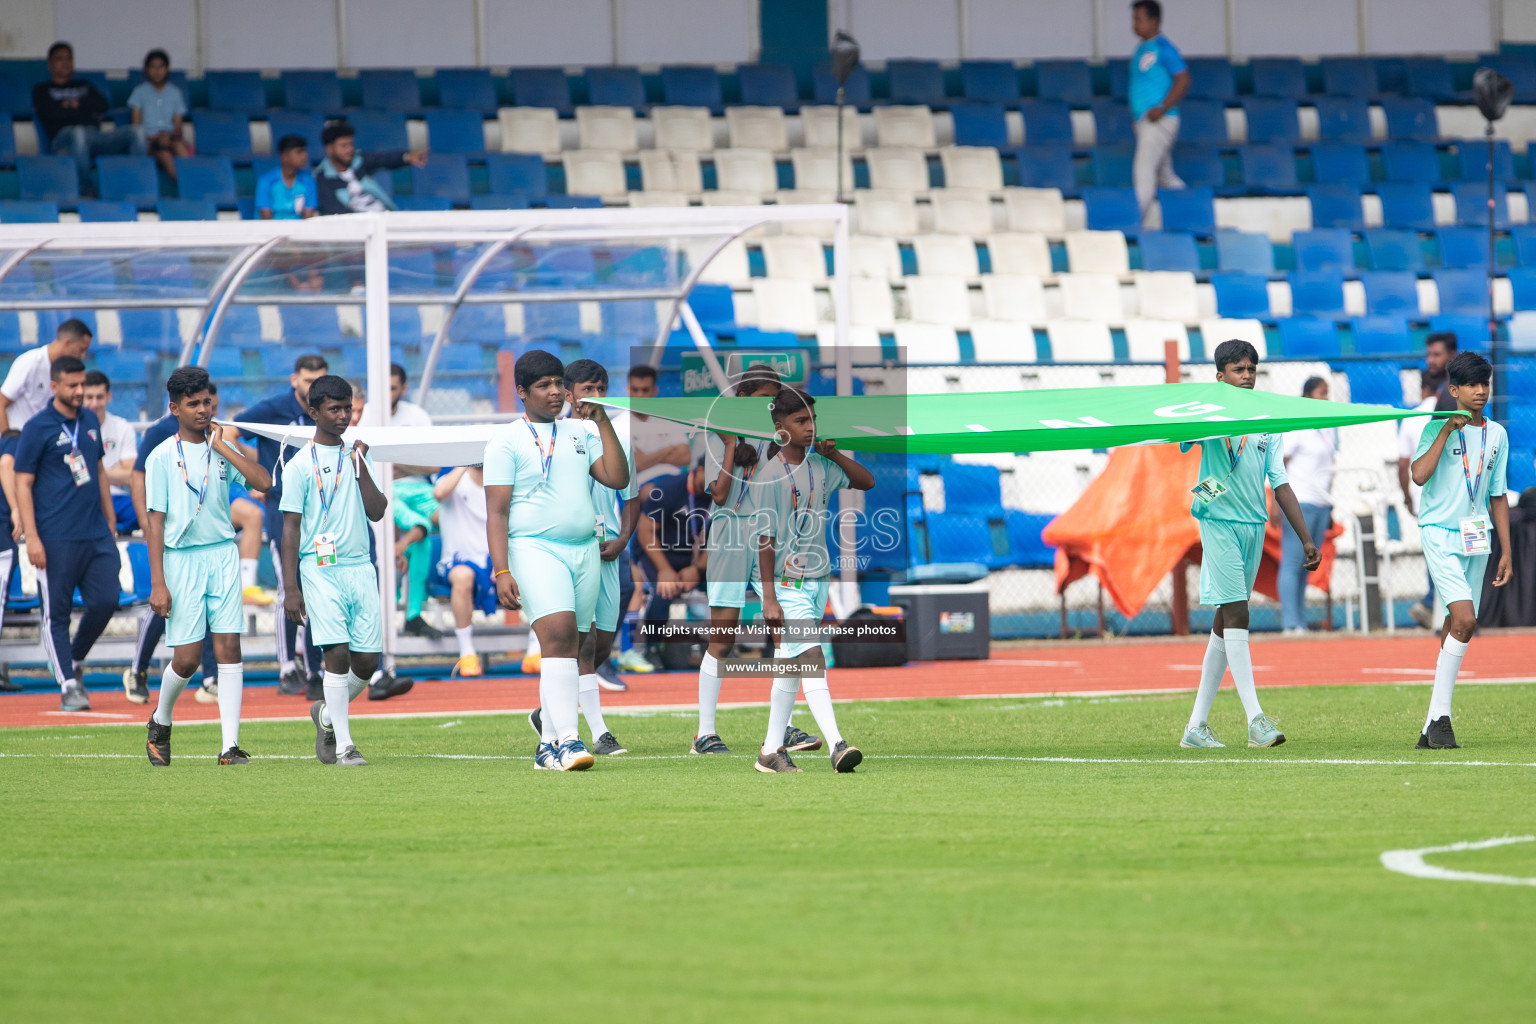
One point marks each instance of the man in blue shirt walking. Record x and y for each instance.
(1159, 80)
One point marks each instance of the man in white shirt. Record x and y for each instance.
(1431, 383)
(414, 507)
(1309, 464)
(28, 387)
(466, 558)
(661, 448)
(120, 448)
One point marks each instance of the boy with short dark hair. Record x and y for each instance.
(1455, 507)
(288, 191)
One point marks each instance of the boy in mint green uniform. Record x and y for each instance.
(790, 515)
(329, 498)
(194, 564)
(1230, 506)
(1461, 464)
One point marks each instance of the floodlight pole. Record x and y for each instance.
(841, 96)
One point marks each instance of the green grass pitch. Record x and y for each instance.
(942, 882)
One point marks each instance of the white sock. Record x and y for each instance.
(337, 694)
(1211, 670)
(247, 572)
(709, 694)
(546, 731)
(591, 704)
(466, 638)
(355, 685)
(781, 704)
(171, 686)
(819, 698)
(1240, 660)
(559, 680)
(231, 683)
(286, 667)
(1446, 668)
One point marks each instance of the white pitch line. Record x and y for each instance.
(1411, 862)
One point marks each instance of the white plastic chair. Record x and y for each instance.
(685, 128)
(729, 266)
(874, 256)
(795, 258)
(962, 211)
(1097, 252)
(746, 170)
(607, 128)
(1216, 330)
(819, 124)
(1145, 339)
(897, 167)
(817, 169)
(939, 299)
(723, 197)
(785, 305)
(1015, 298)
(651, 200)
(972, 167)
(671, 170)
(529, 130)
(928, 344)
(905, 126)
(1167, 295)
(1036, 209)
(1080, 341)
(953, 255)
(1019, 252)
(993, 342)
(1091, 297)
(822, 229)
(872, 304)
(594, 172)
(882, 212)
(757, 128)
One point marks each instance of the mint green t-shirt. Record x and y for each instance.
(1262, 458)
(789, 504)
(193, 516)
(341, 513)
(605, 500)
(737, 501)
(1445, 500)
(554, 506)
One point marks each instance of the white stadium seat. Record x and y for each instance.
(1018, 252)
(820, 127)
(1091, 297)
(785, 305)
(993, 342)
(686, 128)
(529, 130)
(1014, 298)
(1036, 209)
(874, 256)
(1080, 341)
(1167, 295)
(897, 167)
(928, 344)
(746, 170)
(670, 170)
(607, 128)
(905, 126)
(873, 305)
(807, 196)
(1217, 330)
(883, 212)
(972, 167)
(1145, 339)
(730, 265)
(757, 128)
(647, 200)
(795, 258)
(722, 197)
(1097, 252)
(1522, 332)
(946, 254)
(817, 169)
(594, 172)
(961, 211)
(939, 299)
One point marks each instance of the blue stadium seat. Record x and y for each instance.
(1317, 293)
(310, 325)
(241, 92)
(50, 178)
(184, 208)
(1211, 78)
(1524, 237)
(1112, 165)
(1390, 293)
(1407, 204)
(1247, 251)
(316, 92)
(1069, 80)
(29, 211)
(857, 91)
(480, 324)
(1046, 122)
(1522, 285)
(378, 130)
(1112, 122)
(1380, 336)
(1373, 382)
(1462, 291)
(1521, 473)
(1341, 163)
(393, 89)
(206, 177)
(423, 204)
(1471, 330)
(1325, 249)
(1047, 167)
(405, 325)
(1188, 209)
(1271, 119)
(552, 320)
(1519, 69)
(1336, 206)
(1343, 119)
(1350, 76)
(518, 174)
(1521, 427)
(1410, 118)
(224, 133)
(615, 87)
(132, 179)
(1305, 337)
(445, 176)
(15, 94)
(1269, 168)
(1410, 161)
(1026, 549)
(961, 537)
(1119, 79)
(980, 124)
(1278, 76)
(919, 82)
(1199, 166)
(570, 202)
(1241, 295)
(542, 87)
(1472, 205)
(1429, 77)
(769, 85)
(634, 318)
(990, 81)
(466, 89)
(1472, 161)
(1169, 250)
(1462, 247)
(7, 142)
(1392, 249)
(306, 125)
(1203, 121)
(102, 211)
(1112, 209)
(693, 86)
(151, 330)
(714, 306)
(455, 131)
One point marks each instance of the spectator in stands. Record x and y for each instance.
(10, 533)
(158, 110)
(28, 388)
(1439, 349)
(415, 510)
(1309, 464)
(345, 177)
(73, 115)
(120, 448)
(1408, 433)
(288, 191)
(1159, 80)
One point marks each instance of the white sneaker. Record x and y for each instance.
(1295, 631)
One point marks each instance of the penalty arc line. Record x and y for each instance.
(1411, 862)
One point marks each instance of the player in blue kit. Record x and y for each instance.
(543, 535)
(1456, 507)
(1232, 511)
(194, 565)
(329, 498)
(790, 515)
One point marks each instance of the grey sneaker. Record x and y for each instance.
(1421, 614)
(74, 698)
(1200, 737)
(291, 683)
(1264, 732)
(845, 758)
(796, 740)
(778, 761)
(350, 758)
(325, 739)
(607, 744)
(136, 686)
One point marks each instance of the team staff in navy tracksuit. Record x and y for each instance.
(290, 408)
(67, 516)
(8, 534)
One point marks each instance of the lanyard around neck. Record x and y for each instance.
(1466, 466)
(545, 457)
(325, 503)
(181, 461)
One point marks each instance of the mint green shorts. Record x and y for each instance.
(556, 576)
(343, 606)
(1229, 560)
(606, 615)
(733, 562)
(803, 605)
(1457, 577)
(206, 593)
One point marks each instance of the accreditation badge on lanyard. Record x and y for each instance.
(74, 460)
(1209, 489)
(1475, 539)
(325, 541)
(794, 562)
(546, 458)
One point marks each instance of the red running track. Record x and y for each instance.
(1037, 669)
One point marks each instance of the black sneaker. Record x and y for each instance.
(291, 683)
(709, 743)
(608, 744)
(422, 628)
(325, 739)
(608, 678)
(1423, 743)
(234, 755)
(389, 685)
(796, 740)
(158, 745)
(536, 723)
(74, 698)
(845, 758)
(314, 686)
(7, 685)
(1439, 735)
(135, 685)
(778, 761)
